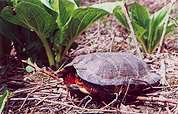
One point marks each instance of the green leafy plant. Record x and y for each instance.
(3, 100)
(148, 28)
(57, 23)
(31, 16)
(4, 43)
(26, 43)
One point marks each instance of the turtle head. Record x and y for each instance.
(72, 80)
(79, 88)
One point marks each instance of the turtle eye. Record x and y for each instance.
(78, 81)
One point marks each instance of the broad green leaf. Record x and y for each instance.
(139, 30)
(32, 16)
(3, 100)
(107, 6)
(64, 8)
(77, 2)
(121, 16)
(148, 28)
(81, 19)
(37, 2)
(140, 34)
(24, 41)
(6, 27)
(155, 31)
(140, 15)
(154, 40)
(46, 3)
(159, 16)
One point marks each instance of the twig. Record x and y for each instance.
(175, 21)
(176, 110)
(157, 99)
(163, 73)
(43, 71)
(85, 105)
(165, 25)
(28, 97)
(23, 90)
(40, 101)
(161, 87)
(81, 101)
(159, 111)
(88, 101)
(125, 94)
(133, 36)
(168, 110)
(85, 98)
(116, 98)
(87, 109)
(35, 98)
(76, 107)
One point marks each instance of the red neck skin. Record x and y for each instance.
(70, 77)
(98, 92)
(73, 79)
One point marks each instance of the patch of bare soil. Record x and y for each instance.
(42, 94)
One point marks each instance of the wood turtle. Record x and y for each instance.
(102, 74)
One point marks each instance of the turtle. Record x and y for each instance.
(101, 74)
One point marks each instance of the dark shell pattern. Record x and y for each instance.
(113, 68)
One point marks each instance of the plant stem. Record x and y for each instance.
(131, 29)
(165, 25)
(47, 49)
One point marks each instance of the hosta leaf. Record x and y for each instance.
(121, 16)
(46, 3)
(34, 17)
(81, 19)
(6, 27)
(155, 30)
(140, 34)
(37, 2)
(24, 41)
(159, 16)
(148, 29)
(77, 2)
(107, 6)
(155, 40)
(64, 8)
(3, 100)
(139, 30)
(30, 16)
(140, 15)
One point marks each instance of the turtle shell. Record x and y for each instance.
(113, 68)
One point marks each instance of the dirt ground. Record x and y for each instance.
(40, 94)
